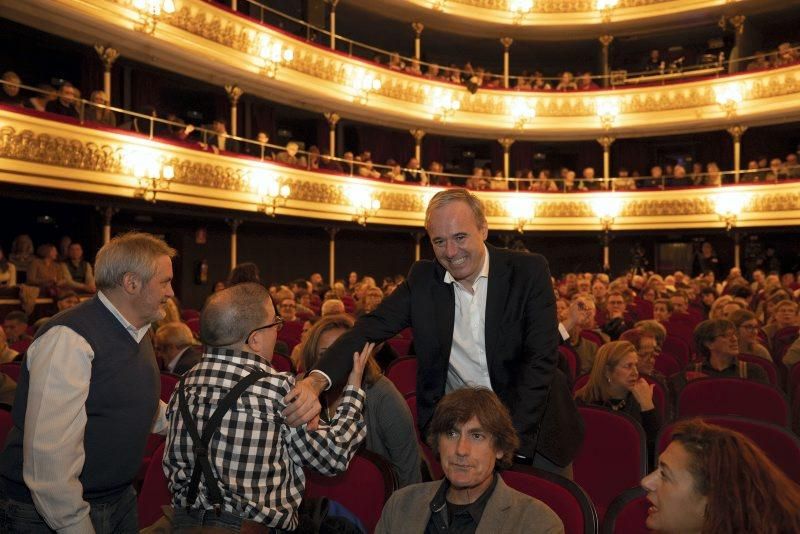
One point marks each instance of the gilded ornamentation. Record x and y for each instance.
(50, 150)
(556, 6)
(682, 206)
(563, 209)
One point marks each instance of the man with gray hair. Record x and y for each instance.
(250, 461)
(87, 399)
(332, 307)
(175, 347)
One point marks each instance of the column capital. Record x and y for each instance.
(417, 134)
(605, 40)
(506, 143)
(333, 3)
(234, 93)
(417, 27)
(332, 117)
(234, 224)
(107, 213)
(737, 21)
(417, 236)
(332, 231)
(737, 132)
(506, 42)
(606, 141)
(107, 55)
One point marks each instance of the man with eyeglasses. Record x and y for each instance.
(232, 459)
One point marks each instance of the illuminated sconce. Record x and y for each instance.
(362, 81)
(272, 194)
(519, 8)
(273, 54)
(606, 8)
(607, 111)
(522, 110)
(729, 97)
(522, 211)
(364, 204)
(152, 173)
(438, 5)
(729, 205)
(151, 12)
(444, 103)
(606, 207)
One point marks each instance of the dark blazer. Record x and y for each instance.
(188, 359)
(521, 346)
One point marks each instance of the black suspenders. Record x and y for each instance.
(200, 447)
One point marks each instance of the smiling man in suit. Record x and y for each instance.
(482, 316)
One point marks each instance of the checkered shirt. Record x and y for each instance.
(257, 458)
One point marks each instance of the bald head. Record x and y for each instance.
(332, 307)
(229, 315)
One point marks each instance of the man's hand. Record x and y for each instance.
(302, 403)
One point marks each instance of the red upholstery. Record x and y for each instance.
(194, 325)
(190, 314)
(363, 489)
(155, 493)
(571, 358)
(349, 303)
(780, 445)
(168, 383)
(403, 374)
(6, 423)
(643, 308)
(290, 333)
(564, 497)
(613, 456)
(679, 348)
(769, 367)
(794, 382)
(660, 398)
(21, 345)
(734, 396)
(593, 336)
(627, 513)
(406, 333)
(579, 383)
(400, 345)
(12, 369)
(667, 364)
(434, 467)
(282, 363)
(781, 342)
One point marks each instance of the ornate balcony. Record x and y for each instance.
(38, 151)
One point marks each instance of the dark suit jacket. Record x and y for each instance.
(521, 346)
(188, 359)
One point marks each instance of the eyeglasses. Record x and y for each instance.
(749, 326)
(278, 324)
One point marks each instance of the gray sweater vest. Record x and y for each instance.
(120, 408)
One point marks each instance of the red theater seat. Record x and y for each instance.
(403, 374)
(769, 367)
(155, 493)
(168, 383)
(627, 513)
(431, 462)
(563, 496)
(12, 369)
(400, 345)
(734, 396)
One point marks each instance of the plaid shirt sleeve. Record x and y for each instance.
(329, 449)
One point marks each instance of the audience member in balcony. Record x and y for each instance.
(15, 325)
(567, 82)
(97, 112)
(219, 140)
(436, 174)
(718, 346)
(653, 62)
(395, 172)
(40, 99)
(538, 83)
(679, 177)
(78, 273)
(290, 157)
(413, 68)
(472, 427)
(10, 93)
(433, 72)
(66, 300)
(589, 182)
(543, 183)
(614, 383)
(7, 354)
(390, 426)
(624, 182)
(696, 488)
(395, 63)
(759, 63)
(8, 272)
(67, 103)
(348, 163)
(786, 55)
(313, 158)
(585, 82)
(366, 170)
(174, 345)
(777, 168)
(178, 129)
(477, 182)
(45, 272)
(523, 82)
(655, 180)
(21, 254)
(747, 326)
(571, 185)
(414, 173)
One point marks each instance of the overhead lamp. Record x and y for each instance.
(519, 8)
(151, 12)
(606, 8)
(362, 81)
(606, 207)
(438, 5)
(522, 110)
(273, 54)
(444, 103)
(522, 211)
(607, 109)
(272, 193)
(729, 96)
(152, 172)
(364, 204)
(728, 205)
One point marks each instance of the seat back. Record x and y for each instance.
(400, 345)
(430, 459)
(734, 396)
(768, 366)
(154, 493)
(563, 496)
(21, 345)
(571, 358)
(168, 383)
(194, 325)
(679, 348)
(403, 374)
(12, 369)
(579, 383)
(667, 364)
(613, 456)
(792, 387)
(780, 445)
(281, 363)
(363, 489)
(290, 333)
(627, 513)
(593, 336)
(6, 423)
(189, 313)
(781, 342)
(660, 396)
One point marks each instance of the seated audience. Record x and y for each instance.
(66, 300)
(662, 310)
(98, 113)
(8, 272)
(580, 317)
(8, 390)
(67, 103)
(567, 82)
(784, 314)
(332, 306)
(40, 100)
(7, 354)
(246, 272)
(10, 92)
(615, 383)
(415, 173)
(290, 157)
(712, 479)
(792, 355)
(717, 346)
(390, 426)
(219, 140)
(614, 322)
(45, 272)
(175, 348)
(78, 274)
(472, 435)
(15, 325)
(747, 331)
(256, 482)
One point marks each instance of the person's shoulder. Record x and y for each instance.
(422, 492)
(535, 512)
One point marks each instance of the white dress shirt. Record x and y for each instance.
(468, 365)
(174, 361)
(60, 367)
